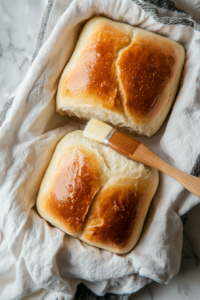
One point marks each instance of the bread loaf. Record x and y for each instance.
(122, 75)
(95, 194)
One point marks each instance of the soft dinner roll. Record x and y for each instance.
(122, 75)
(95, 194)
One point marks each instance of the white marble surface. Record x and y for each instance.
(19, 25)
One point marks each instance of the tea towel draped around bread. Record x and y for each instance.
(38, 258)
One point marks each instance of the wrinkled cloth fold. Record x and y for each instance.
(35, 255)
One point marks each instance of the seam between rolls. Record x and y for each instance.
(120, 86)
(89, 211)
(101, 186)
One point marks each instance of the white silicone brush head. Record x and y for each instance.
(97, 130)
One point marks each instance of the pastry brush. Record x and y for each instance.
(135, 150)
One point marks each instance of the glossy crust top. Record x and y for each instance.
(73, 188)
(103, 203)
(94, 75)
(113, 219)
(146, 70)
(122, 75)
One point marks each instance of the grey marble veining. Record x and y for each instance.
(19, 25)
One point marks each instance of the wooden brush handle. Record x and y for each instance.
(133, 149)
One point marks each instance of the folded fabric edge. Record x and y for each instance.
(154, 13)
(168, 5)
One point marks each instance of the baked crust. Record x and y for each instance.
(114, 220)
(146, 72)
(94, 76)
(122, 75)
(93, 193)
(74, 186)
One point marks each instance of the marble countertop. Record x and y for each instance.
(19, 25)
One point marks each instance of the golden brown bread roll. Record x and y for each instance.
(93, 193)
(122, 75)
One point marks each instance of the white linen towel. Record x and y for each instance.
(35, 255)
